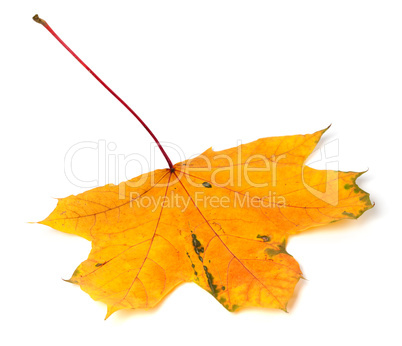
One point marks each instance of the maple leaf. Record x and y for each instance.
(197, 224)
(221, 220)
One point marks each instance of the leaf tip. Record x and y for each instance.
(321, 132)
(111, 309)
(316, 137)
(325, 130)
(71, 281)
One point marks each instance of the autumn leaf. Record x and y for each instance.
(221, 220)
(207, 222)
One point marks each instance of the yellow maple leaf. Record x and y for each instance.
(197, 223)
(220, 220)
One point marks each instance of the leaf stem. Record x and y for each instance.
(44, 23)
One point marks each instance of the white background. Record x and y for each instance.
(200, 73)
